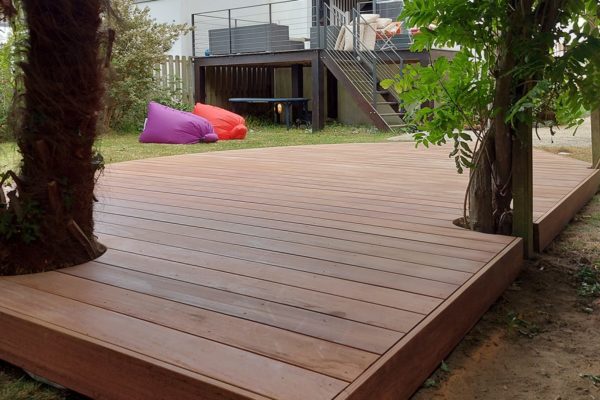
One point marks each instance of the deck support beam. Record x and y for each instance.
(522, 184)
(318, 92)
(596, 139)
(332, 95)
(297, 80)
(297, 86)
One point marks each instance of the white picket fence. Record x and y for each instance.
(177, 73)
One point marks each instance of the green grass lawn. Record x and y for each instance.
(116, 147)
(16, 385)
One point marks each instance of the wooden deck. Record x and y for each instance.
(301, 273)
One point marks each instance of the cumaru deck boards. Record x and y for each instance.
(300, 273)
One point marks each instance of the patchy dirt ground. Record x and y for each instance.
(541, 340)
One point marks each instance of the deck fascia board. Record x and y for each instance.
(548, 226)
(98, 369)
(402, 370)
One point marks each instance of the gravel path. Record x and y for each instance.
(565, 137)
(562, 137)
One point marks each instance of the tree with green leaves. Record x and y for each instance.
(520, 63)
(142, 43)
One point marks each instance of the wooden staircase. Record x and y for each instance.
(360, 70)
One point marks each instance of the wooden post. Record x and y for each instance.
(169, 78)
(177, 76)
(522, 184)
(318, 92)
(200, 83)
(297, 86)
(332, 96)
(596, 138)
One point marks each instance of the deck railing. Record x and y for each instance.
(273, 27)
(281, 26)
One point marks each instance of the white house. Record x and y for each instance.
(4, 32)
(318, 50)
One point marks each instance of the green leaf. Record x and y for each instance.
(444, 367)
(387, 83)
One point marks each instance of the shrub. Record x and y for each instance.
(141, 43)
(6, 89)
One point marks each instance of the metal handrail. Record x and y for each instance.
(364, 67)
(380, 59)
(243, 7)
(361, 72)
(271, 38)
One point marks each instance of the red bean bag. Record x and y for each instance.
(227, 125)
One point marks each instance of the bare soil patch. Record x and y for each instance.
(541, 340)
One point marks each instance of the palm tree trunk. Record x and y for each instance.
(51, 207)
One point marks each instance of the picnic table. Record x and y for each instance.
(286, 102)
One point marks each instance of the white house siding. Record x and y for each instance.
(168, 11)
(4, 32)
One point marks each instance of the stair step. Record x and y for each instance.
(391, 114)
(347, 61)
(387, 102)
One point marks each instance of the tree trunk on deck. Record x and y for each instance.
(481, 205)
(51, 207)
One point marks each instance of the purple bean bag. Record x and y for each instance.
(166, 125)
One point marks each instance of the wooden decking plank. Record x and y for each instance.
(363, 285)
(272, 227)
(357, 308)
(293, 261)
(224, 363)
(302, 276)
(379, 217)
(237, 185)
(450, 198)
(216, 184)
(261, 247)
(352, 182)
(332, 205)
(239, 234)
(212, 283)
(386, 228)
(320, 356)
(323, 323)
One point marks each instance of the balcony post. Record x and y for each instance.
(318, 22)
(230, 32)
